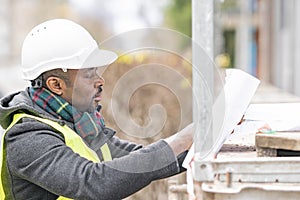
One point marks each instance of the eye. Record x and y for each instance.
(88, 74)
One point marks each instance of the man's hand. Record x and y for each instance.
(182, 140)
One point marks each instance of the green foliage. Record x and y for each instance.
(178, 16)
(230, 6)
(229, 44)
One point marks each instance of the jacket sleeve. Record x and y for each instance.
(38, 154)
(120, 148)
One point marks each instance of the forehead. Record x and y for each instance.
(86, 70)
(98, 70)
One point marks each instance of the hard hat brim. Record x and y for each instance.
(96, 58)
(99, 58)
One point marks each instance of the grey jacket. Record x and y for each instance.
(38, 164)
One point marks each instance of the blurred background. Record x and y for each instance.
(260, 37)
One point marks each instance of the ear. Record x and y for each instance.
(56, 85)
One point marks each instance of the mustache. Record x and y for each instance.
(99, 90)
(99, 106)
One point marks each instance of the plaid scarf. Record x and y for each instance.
(87, 125)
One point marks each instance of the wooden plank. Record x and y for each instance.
(279, 140)
(278, 144)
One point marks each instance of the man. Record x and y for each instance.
(56, 145)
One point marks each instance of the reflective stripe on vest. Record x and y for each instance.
(72, 140)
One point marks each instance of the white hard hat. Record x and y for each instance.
(61, 43)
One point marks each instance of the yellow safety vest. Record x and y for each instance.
(72, 140)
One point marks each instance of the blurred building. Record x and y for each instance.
(5, 31)
(262, 38)
(279, 43)
(18, 17)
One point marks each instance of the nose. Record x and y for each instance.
(99, 81)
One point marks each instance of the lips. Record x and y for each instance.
(97, 98)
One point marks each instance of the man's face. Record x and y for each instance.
(86, 88)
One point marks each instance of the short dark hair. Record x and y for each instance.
(41, 80)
